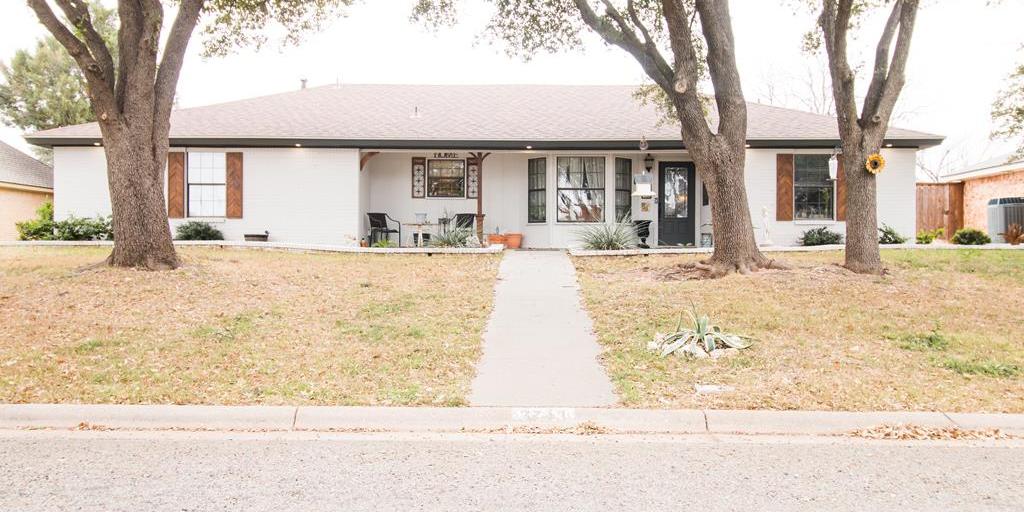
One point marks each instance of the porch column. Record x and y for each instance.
(478, 160)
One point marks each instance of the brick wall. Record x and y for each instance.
(977, 193)
(18, 205)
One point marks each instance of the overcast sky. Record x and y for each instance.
(961, 55)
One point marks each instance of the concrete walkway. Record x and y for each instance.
(539, 347)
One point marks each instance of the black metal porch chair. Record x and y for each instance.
(379, 226)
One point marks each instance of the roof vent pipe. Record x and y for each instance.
(303, 80)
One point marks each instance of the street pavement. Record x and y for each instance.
(308, 471)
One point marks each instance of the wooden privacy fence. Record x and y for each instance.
(940, 205)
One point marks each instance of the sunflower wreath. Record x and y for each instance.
(875, 164)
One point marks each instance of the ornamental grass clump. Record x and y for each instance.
(608, 237)
(1014, 234)
(699, 339)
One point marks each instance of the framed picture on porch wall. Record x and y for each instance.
(419, 177)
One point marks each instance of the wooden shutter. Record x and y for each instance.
(841, 191)
(175, 185)
(233, 209)
(783, 186)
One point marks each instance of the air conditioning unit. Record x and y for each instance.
(1003, 212)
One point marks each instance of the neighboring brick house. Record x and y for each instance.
(998, 177)
(25, 184)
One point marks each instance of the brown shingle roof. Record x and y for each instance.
(20, 169)
(461, 113)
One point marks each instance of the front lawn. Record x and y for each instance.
(944, 330)
(242, 327)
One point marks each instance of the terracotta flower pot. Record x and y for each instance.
(496, 239)
(513, 240)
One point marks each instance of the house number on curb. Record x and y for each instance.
(543, 413)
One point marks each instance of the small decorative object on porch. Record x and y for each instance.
(701, 339)
(419, 177)
(766, 222)
(875, 163)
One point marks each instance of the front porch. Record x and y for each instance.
(546, 196)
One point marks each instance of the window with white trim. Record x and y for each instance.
(814, 195)
(580, 188)
(207, 190)
(446, 178)
(536, 199)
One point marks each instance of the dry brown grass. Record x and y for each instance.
(942, 331)
(242, 327)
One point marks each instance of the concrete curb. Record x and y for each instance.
(479, 419)
(280, 246)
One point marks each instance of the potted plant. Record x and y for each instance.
(513, 240)
(496, 237)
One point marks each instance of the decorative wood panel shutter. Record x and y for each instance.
(783, 186)
(419, 177)
(840, 192)
(234, 187)
(175, 185)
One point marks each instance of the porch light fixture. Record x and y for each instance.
(648, 162)
(529, 147)
(643, 143)
(95, 143)
(298, 145)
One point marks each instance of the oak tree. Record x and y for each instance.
(132, 97)
(862, 132)
(677, 43)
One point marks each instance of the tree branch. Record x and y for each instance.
(100, 91)
(174, 55)
(78, 14)
(717, 28)
(896, 77)
(835, 23)
(881, 71)
(652, 61)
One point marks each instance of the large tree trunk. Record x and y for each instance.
(722, 172)
(862, 255)
(135, 169)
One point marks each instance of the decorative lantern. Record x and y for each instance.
(648, 162)
(833, 167)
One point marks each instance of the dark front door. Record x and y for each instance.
(676, 204)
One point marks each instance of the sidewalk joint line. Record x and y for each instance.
(951, 420)
(295, 417)
(705, 413)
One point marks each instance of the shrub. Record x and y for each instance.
(196, 230)
(83, 228)
(820, 236)
(73, 228)
(608, 237)
(970, 236)
(888, 235)
(455, 237)
(1014, 234)
(383, 243)
(39, 228)
(927, 236)
(995, 369)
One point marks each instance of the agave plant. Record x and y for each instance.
(608, 237)
(455, 237)
(699, 339)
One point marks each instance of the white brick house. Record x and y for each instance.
(307, 166)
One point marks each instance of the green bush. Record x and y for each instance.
(820, 236)
(39, 228)
(970, 236)
(927, 236)
(73, 228)
(196, 230)
(608, 237)
(888, 235)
